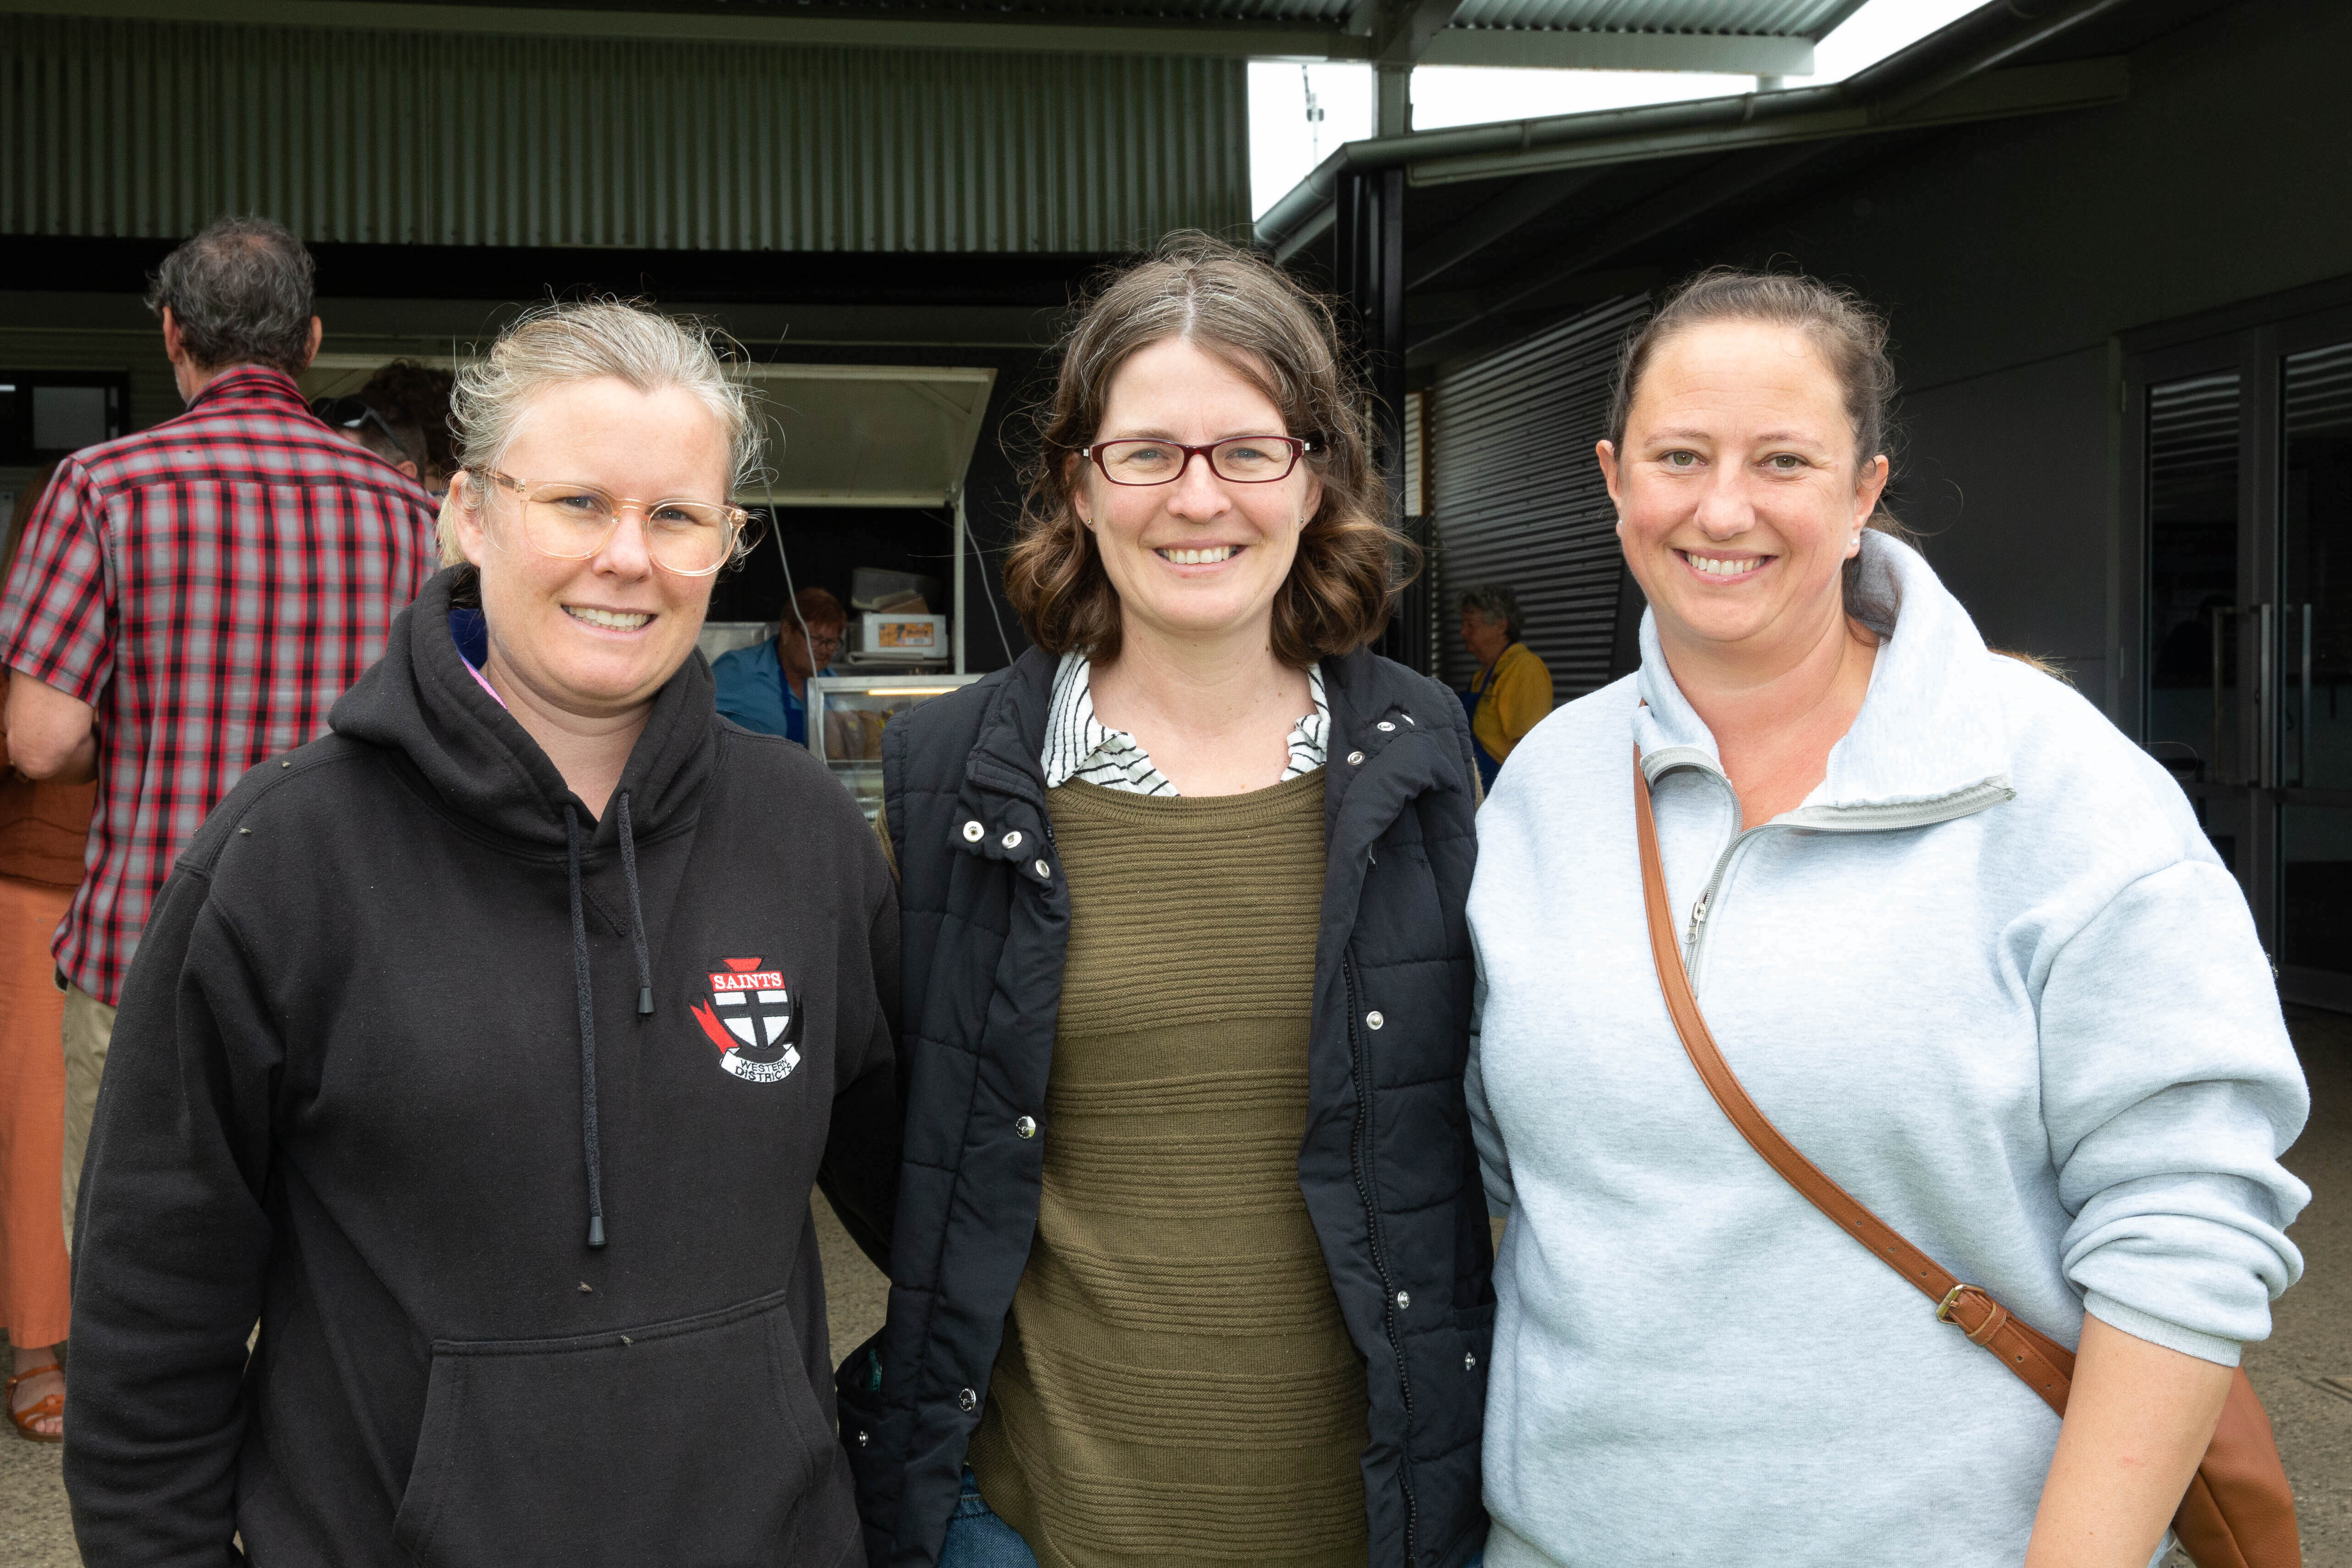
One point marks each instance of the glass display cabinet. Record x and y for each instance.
(846, 713)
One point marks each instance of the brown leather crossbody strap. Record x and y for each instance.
(2041, 1363)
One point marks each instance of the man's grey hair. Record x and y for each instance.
(240, 291)
(1491, 602)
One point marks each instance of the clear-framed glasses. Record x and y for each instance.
(1242, 459)
(572, 522)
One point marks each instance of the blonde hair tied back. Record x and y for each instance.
(564, 343)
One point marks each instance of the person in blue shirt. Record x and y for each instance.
(765, 687)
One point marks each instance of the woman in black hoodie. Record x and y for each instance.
(487, 1051)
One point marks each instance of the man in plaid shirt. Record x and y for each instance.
(189, 602)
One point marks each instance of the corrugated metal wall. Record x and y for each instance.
(137, 129)
(1519, 497)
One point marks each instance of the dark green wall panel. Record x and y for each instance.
(149, 130)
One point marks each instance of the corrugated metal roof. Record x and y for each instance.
(1773, 18)
(1740, 19)
(149, 130)
(1325, 12)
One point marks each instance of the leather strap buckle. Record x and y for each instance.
(1984, 1332)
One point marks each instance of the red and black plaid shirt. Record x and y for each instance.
(210, 587)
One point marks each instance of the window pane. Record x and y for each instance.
(2192, 488)
(2316, 656)
(68, 418)
(2315, 620)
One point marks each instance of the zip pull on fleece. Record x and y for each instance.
(636, 912)
(587, 1029)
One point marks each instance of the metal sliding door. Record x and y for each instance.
(1519, 494)
(2245, 481)
(2198, 710)
(2312, 653)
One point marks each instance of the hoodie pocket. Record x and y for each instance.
(695, 1441)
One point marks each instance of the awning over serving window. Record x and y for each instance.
(838, 434)
(884, 434)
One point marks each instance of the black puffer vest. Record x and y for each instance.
(1386, 1165)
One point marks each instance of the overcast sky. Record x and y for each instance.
(1284, 144)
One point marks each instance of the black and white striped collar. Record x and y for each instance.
(1080, 746)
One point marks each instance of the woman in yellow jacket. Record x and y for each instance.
(1511, 693)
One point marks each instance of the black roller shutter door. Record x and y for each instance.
(1520, 499)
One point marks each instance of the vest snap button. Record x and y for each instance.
(1373, 1020)
(1043, 870)
(1404, 1300)
(862, 1439)
(1355, 759)
(973, 832)
(967, 1400)
(1469, 1363)
(1026, 1127)
(1013, 839)
(1385, 728)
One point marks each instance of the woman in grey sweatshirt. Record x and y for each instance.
(1962, 942)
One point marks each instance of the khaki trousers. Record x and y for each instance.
(88, 1030)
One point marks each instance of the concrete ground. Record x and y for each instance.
(856, 1293)
(33, 1529)
(2304, 1371)
(2310, 1344)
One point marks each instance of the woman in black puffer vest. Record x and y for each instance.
(1191, 1259)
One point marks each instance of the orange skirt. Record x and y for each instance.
(34, 1299)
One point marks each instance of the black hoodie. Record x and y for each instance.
(350, 1096)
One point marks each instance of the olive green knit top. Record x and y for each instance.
(1176, 1386)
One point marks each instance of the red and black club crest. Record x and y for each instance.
(750, 1016)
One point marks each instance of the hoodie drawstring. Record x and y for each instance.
(587, 995)
(636, 911)
(587, 1033)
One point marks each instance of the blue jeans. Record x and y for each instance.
(978, 1539)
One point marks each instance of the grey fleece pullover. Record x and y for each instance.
(1990, 977)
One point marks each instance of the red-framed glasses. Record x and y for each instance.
(1241, 459)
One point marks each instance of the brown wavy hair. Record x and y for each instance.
(1282, 339)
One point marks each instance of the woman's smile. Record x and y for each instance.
(1198, 556)
(622, 621)
(1717, 567)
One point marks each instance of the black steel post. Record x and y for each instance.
(1369, 240)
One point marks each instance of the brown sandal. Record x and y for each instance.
(41, 1409)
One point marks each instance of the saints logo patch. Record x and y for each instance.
(750, 1016)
